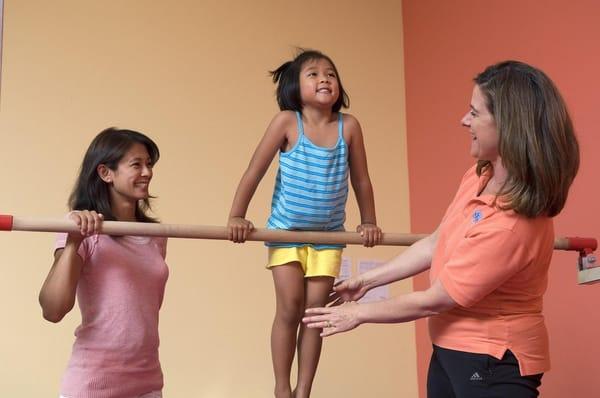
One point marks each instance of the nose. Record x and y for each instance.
(466, 120)
(147, 171)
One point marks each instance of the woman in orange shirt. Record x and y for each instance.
(489, 257)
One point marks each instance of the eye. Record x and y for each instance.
(310, 74)
(473, 113)
(331, 74)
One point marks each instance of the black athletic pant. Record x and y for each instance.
(458, 374)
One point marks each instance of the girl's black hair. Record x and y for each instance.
(287, 77)
(108, 148)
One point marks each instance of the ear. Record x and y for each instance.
(105, 173)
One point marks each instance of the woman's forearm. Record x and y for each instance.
(57, 295)
(407, 307)
(412, 261)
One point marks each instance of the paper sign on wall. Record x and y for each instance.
(378, 293)
(345, 269)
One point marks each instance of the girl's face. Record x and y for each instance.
(319, 86)
(130, 181)
(482, 126)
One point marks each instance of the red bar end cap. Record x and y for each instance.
(6, 222)
(587, 245)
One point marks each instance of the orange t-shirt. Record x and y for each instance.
(494, 264)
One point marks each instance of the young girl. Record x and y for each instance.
(319, 147)
(119, 280)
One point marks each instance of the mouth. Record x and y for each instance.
(324, 90)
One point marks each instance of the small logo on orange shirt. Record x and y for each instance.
(476, 216)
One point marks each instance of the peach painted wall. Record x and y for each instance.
(193, 75)
(446, 44)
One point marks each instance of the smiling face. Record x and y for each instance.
(482, 126)
(130, 181)
(319, 85)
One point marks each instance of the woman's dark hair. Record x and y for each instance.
(287, 77)
(108, 148)
(537, 144)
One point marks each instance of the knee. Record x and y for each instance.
(317, 302)
(290, 311)
(318, 299)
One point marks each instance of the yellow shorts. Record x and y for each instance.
(324, 262)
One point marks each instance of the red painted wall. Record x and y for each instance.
(446, 44)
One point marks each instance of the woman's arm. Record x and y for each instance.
(57, 295)
(399, 309)
(412, 261)
(407, 307)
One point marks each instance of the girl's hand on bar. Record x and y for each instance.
(371, 234)
(238, 229)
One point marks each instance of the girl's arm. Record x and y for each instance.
(57, 295)
(361, 183)
(272, 141)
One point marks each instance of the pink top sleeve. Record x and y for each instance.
(85, 249)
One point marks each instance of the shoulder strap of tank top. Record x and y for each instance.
(340, 125)
(300, 125)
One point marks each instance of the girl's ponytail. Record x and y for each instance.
(279, 73)
(286, 78)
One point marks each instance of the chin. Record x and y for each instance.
(142, 196)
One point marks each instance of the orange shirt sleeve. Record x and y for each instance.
(482, 262)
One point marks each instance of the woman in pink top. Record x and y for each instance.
(489, 257)
(119, 281)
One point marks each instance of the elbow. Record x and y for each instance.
(362, 185)
(54, 312)
(254, 174)
(437, 305)
(53, 316)
(434, 310)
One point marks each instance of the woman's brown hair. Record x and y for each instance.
(108, 147)
(537, 144)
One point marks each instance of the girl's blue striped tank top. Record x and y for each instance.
(311, 187)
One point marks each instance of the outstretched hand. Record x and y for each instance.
(333, 320)
(351, 289)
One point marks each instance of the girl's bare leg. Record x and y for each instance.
(309, 342)
(289, 293)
